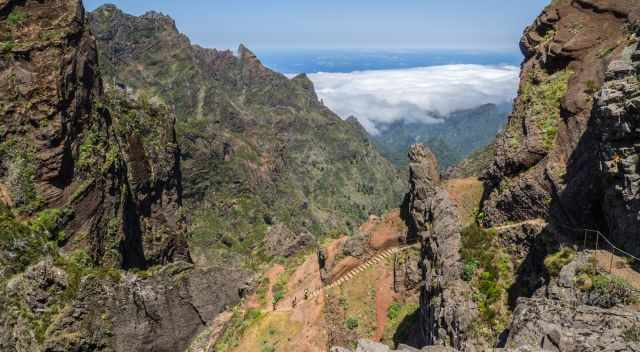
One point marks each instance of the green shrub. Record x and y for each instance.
(51, 222)
(280, 288)
(277, 297)
(555, 262)
(403, 318)
(352, 323)
(477, 245)
(481, 217)
(267, 347)
(549, 131)
(20, 244)
(469, 269)
(544, 99)
(481, 256)
(16, 17)
(21, 173)
(6, 47)
(394, 310)
(608, 291)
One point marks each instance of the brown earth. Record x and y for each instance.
(312, 325)
(384, 298)
(386, 231)
(466, 194)
(619, 267)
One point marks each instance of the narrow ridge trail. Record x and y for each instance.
(540, 222)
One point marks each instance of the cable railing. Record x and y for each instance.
(598, 235)
(614, 249)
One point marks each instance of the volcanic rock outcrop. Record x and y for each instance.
(432, 218)
(90, 184)
(566, 162)
(549, 159)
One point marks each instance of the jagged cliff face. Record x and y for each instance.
(62, 148)
(446, 311)
(551, 160)
(90, 184)
(567, 160)
(618, 108)
(259, 148)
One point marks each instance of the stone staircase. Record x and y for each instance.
(361, 268)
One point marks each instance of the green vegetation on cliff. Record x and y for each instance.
(490, 273)
(258, 148)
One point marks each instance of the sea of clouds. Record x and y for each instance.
(385, 96)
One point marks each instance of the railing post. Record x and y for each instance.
(597, 239)
(395, 270)
(585, 240)
(613, 250)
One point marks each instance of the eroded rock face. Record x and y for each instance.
(160, 311)
(370, 346)
(65, 146)
(281, 241)
(423, 179)
(564, 317)
(618, 117)
(90, 184)
(560, 326)
(445, 312)
(546, 159)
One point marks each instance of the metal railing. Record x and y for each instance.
(614, 249)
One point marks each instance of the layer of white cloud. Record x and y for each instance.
(413, 94)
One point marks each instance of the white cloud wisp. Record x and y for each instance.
(385, 96)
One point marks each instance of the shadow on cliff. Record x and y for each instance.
(407, 331)
(575, 206)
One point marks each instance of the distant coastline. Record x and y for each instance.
(293, 61)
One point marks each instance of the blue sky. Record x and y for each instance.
(330, 24)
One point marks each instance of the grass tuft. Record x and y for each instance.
(555, 262)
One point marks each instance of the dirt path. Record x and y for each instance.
(540, 222)
(272, 277)
(620, 267)
(300, 328)
(384, 298)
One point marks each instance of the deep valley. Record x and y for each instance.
(160, 196)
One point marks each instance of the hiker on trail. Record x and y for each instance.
(295, 301)
(306, 293)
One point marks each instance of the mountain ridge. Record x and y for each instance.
(253, 140)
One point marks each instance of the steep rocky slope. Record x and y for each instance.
(63, 149)
(90, 184)
(519, 277)
(552, 151)
(259, 149)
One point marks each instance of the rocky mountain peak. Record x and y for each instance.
(247, 56)
(423, 164)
